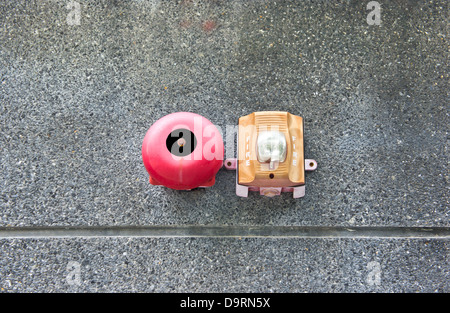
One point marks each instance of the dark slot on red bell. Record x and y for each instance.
(183, 151)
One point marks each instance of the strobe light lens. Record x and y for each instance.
(271, 147)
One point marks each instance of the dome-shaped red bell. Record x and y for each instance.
(183, 151)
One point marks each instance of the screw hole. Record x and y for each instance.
(228, 163)
(271, 176)
(311, 164)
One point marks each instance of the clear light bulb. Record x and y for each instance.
(271, 147)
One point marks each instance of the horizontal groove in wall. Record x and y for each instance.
(226, 231)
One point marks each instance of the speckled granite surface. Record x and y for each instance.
(77, 96)
(223, 265)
